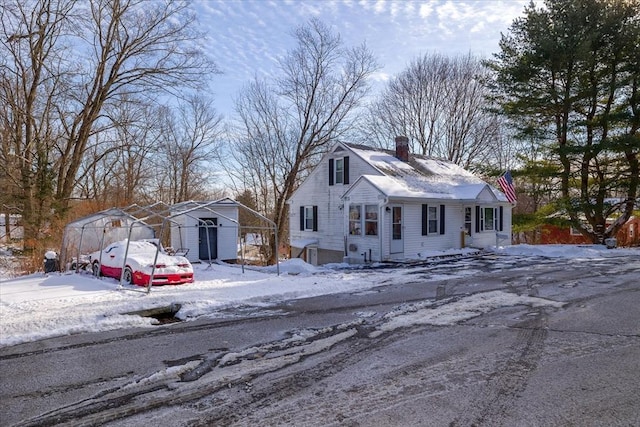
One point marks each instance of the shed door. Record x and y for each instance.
(397, 239)
(208, 238)
(312, 255)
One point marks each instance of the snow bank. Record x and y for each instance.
(38, 306)
(458, 311)
(564, 251)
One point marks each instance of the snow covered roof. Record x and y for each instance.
(422, 177)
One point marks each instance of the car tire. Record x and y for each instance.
(95, 268)
(127, 276)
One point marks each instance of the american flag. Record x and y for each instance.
(506, 184)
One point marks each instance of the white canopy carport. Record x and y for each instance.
(93, 232)
(96, 231)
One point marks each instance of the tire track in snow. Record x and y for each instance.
(505, 385)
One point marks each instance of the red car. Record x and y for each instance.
(169, 270)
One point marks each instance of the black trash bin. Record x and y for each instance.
(51, 262)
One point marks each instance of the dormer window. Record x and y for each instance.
(339, 170)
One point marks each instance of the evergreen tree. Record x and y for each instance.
(570, 70)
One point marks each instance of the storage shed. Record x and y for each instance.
(206, 230)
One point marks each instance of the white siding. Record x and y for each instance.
(486, 196)
(487, 238)
(418, 246)
(363, 245)
(316, 191)
(186, 226)
(333, 217)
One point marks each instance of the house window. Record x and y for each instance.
(574, 231)
(339, 171)
(488, 219)
(433, 219)
(467, 220)
(371, 220)
(308, 218)
(396, 223)
(355, 220)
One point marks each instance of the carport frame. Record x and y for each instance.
(167, 215)
(107, 213)
(205, 205)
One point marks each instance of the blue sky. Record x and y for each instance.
(247, 37)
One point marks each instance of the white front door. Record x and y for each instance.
(397, 238)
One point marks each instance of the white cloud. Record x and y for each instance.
(380, 77)
(248, 37)
(380, 6)
(426, 9)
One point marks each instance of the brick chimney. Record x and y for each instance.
(402, 148)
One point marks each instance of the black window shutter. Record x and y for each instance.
(441, 219)
(301, 218)
(424, 220)
(315, 218)
(477, 219)
(501, 218)
(346, 170)
(330, 171)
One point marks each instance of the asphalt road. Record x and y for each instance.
(330, 361)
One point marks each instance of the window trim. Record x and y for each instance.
(574, 231)
(495, 226)
(396, 226)
(468, 221)
(338, 177)
(371, 221)
(433, 219)
(355, 231)
(333, 171)
(364, 222)
(304, 218)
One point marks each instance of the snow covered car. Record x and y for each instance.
(170, 270)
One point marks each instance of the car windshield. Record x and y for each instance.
(141, 248)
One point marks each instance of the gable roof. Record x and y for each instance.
(421, 178)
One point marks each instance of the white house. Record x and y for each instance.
(362, 204)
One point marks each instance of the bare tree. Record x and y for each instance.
(119, 166)
(57, 99)
(30, 80)
(189, 141)
(285, 124)
(439, 103)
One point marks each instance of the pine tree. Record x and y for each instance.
(571, 70)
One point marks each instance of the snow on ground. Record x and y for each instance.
(457, 311)
(39, 306)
